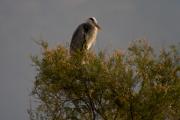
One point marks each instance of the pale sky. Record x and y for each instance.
(122, 21)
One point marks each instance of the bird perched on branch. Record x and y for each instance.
(84, 36)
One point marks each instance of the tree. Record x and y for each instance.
(135, 85)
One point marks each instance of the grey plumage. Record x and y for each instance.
(84, 36)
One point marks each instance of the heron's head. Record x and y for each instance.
(93, 21)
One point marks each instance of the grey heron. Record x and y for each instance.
(84, 36)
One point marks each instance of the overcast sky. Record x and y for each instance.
(122, 21)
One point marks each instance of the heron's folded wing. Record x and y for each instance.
(78, 38)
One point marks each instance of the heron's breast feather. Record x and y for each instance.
(92, 39)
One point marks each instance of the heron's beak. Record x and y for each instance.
(99, 28)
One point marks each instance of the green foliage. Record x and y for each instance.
(135, 85)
